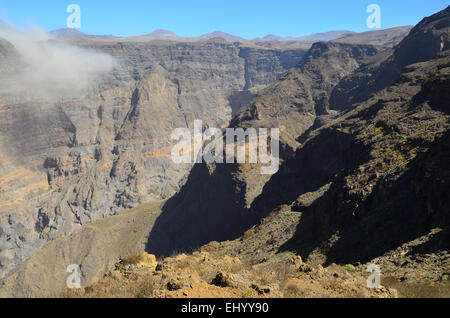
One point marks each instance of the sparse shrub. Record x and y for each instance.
(205, 273)
(283, 273)
(350, 268)
(145, 288)
(292, 289)
(248, 293)
(132, 259)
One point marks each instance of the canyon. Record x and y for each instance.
(67, 163)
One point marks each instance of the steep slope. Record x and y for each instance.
(373, 162)
(9, 57)
(365, 180)
(425, 41)
(378, 173)
(95, 248)
(301, 95)
(387, 37)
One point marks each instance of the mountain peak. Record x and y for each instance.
(325, 36)
(163, 33)
(220, 34)
(67, 33)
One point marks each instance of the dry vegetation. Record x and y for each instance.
(204, 275)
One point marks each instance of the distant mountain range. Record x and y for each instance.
(71, 33)
(326, 36)
(169, 35)
(378, 36)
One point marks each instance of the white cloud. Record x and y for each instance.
(51, 69)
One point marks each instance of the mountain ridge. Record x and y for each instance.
(161, 34)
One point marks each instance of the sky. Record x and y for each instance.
(245, 18)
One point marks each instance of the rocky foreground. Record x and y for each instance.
(204, 275)
(234, 269)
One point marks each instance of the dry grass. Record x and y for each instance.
(418, 290)
(293, 290)
(132, 259)
(146, 287)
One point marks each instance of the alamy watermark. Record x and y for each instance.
(373, 20)
(74, 19)
(241, 146)
(374, 279)
(74, 279)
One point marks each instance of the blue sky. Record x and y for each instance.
(245, 18)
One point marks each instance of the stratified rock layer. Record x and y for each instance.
(66, 163)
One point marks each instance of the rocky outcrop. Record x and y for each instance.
(214, 275)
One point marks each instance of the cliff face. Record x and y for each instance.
(300, 99)
(216, 202)
(64, 164)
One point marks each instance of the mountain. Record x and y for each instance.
(162, 34)
(270, 37)
(156, 35)
(170, 36)
(219, 34)
(377, 37)
(366, 182)
(326, 36)
(68, 33)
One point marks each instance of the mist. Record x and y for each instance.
(50, 69)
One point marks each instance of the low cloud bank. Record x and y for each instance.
(50, 69)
